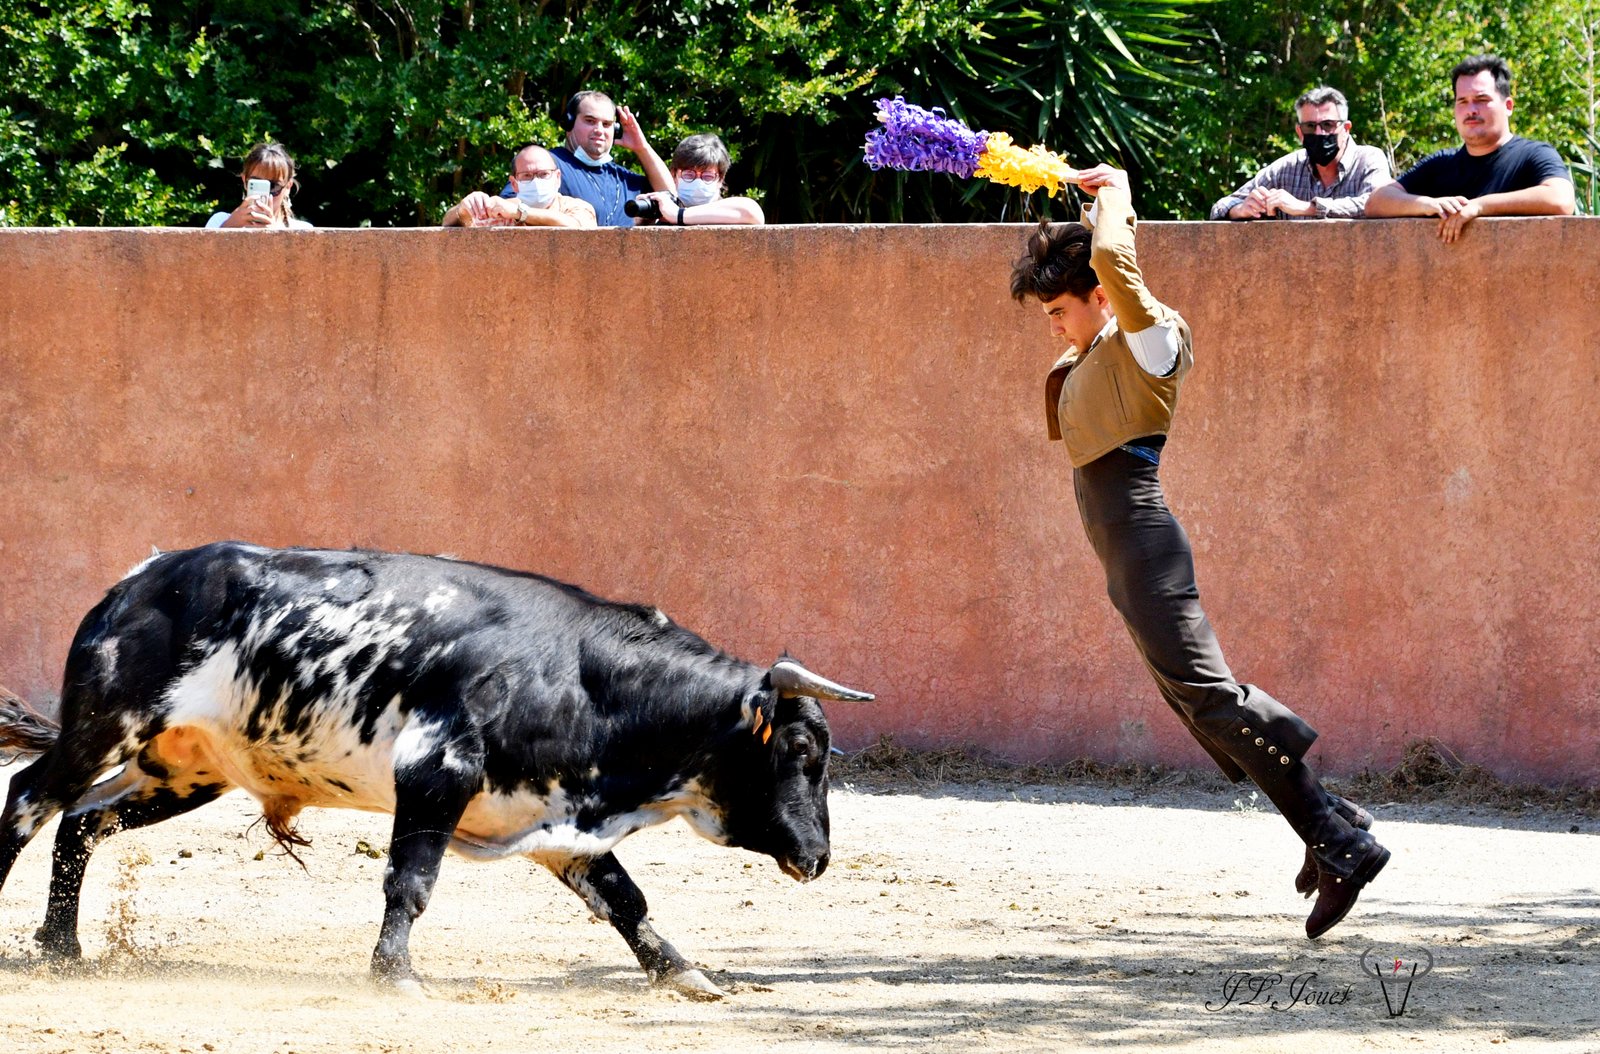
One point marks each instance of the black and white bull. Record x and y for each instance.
(492, 712)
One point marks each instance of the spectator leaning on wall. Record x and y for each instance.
(1493, 172)
(536, 199)
(699, 171)
(1331, 176)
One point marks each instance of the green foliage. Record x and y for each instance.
(77, 86)
(138, 111)
(1392, 59)
(123, 112)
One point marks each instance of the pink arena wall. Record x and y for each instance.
(830, 440)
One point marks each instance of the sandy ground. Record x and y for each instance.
(967, 919)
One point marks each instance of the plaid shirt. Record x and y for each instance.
(1362, 169)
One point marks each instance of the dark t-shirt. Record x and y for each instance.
(607, 187)
(1519, 164)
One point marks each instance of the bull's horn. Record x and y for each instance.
(790, 678)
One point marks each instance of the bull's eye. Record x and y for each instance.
(805, 749)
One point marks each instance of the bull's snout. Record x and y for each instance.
(804, 869)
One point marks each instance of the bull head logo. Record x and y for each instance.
(1394, 971)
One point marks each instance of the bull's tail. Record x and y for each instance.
(24, 731)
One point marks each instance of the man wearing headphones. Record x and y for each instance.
(593, 123)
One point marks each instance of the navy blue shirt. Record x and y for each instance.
(1518, 164)
(607, 187)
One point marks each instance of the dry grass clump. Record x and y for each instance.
(1428, 772)
(888, 764)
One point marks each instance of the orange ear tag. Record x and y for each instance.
(766, 733)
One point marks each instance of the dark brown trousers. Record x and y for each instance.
(1150, 578)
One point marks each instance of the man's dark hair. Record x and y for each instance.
(1057, 262)
(1478, 64)
(569, 118)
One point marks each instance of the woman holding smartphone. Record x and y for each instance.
(268, 178)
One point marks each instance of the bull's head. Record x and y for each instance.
(778, 803)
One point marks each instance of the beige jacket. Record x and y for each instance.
(1102, 398)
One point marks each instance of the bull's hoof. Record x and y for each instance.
(58, 947)
(395, 975)
(408, 985)
(693, 984)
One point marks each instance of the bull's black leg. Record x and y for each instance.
(432, 787)
(150, 801)
(613, 897)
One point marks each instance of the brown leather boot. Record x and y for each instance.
(1343, 870)
(1305, 883)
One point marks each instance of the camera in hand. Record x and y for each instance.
(643, 208)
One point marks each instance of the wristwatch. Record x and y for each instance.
(522, 214)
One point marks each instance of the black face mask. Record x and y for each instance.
(1321, 149)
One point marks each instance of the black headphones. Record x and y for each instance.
(569, 116)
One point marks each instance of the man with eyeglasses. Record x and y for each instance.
(699, 170)
(1492, 173)
(1331, 176)
(536, 199)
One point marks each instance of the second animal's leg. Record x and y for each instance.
(60, 777)
(613, 897)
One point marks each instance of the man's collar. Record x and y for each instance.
(1104, 331)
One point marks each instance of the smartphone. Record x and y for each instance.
(258, 188)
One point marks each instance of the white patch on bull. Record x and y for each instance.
(416, 743)
(356, 628)
(107, 659)
(457, 761)
(213, 687)
(434, 652)
(327, 764)
(132, 730)
(659, 617)
(440, 599)
(543, 825)
(26, 820)
(331, 583)
(702, 814)
(264, 628)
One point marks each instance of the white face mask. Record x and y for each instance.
(593, 162)
(538, 193)
(696, 192)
